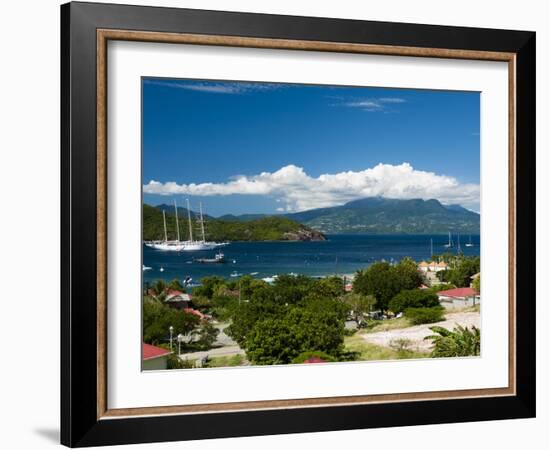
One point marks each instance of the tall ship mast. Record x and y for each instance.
(202, 222)
(166, 245)
(450, 244)
(192, 245)
(189, 219)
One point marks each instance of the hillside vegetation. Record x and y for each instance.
(270, 228)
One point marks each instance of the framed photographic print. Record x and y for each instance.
(277, 224)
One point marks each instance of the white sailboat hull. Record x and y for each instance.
(166, 246)
(198, 246)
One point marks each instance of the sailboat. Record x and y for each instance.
(192, 245)
(167, 245)
(450, 244)
(458, 249)
(469, 244)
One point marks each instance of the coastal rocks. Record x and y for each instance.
(304, 234)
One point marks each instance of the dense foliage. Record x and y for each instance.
(413, 298)
(418, 316)
(158, 318)
(271, 228)
(459, 342)
(384, 281)
(276, 323)
(280, 339)
(360, 306)
(461, 269)
(476, 284)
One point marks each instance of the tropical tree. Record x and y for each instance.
(208, 285)
(414, 298)
(207, 335)
(176, 285)
(461, 271)
(407, 274)
(158, 318)
(359, 306)
(158, 289)
(377, 280)
(279, 340)
(385, 281)
(459, 342)
(476, 284)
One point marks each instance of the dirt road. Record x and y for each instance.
(416, 334)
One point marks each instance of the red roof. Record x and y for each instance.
(314, 359)
(174, 292)
(458, 292)
(195, 312)
(151, 352)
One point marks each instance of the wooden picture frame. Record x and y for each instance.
(86, 418)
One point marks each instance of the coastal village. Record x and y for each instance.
(404, 310)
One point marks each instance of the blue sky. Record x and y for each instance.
(243, 147)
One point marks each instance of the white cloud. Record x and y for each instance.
(215, 87)
(373, 104)
(298, 191)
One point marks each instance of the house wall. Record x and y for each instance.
(454, 303)
(160, 363)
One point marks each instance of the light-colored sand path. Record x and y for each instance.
(224, 346)
(416, 334)
(222, 351)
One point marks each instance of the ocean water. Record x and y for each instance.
(340, 254)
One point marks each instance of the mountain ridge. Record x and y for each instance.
(380, 215)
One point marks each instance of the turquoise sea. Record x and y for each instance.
(340, 254)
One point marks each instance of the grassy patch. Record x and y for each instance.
(371, 352)
(387, 325)
(226, 361)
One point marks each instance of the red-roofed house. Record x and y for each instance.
(177, 299)
(154, 358)
(432, 266)
(458, 297)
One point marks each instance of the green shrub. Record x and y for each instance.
(418, 316)
(415, 298)
(174, 362)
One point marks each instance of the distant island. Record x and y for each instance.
(264, 228)
(378, 215)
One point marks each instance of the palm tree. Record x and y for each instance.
(158, 290)
(176, 285)
(459, 342)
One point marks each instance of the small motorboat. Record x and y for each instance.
(218, 258)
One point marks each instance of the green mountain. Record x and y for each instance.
(383, 215)
(270, 228)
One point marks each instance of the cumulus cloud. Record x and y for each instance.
(298, 191)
